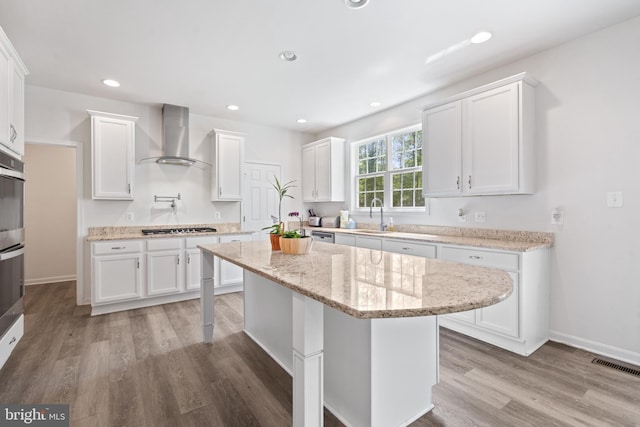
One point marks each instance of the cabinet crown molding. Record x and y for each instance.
(498, 83)
(112, 115)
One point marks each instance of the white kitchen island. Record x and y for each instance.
(356, 328)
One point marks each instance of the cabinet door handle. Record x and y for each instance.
(13, 339)
(188, 259)
(138, 264)
(474, 257)
(118, 247)
(220, 192)
(458, 182)
(178, 260)
(129, 185)
(469, 181)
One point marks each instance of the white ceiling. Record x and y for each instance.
(206, 54)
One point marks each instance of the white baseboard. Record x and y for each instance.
(54, 279)
(596, 347)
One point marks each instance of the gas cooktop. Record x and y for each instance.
(178, 230)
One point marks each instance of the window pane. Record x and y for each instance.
(371, 149)
(379, 182)
(382, 147)
(362, 167)
(382, 164)
(396, 179)
(419, 139)
(397, 195)
(370, 185)
(368, 198)
(409, 159)
(361, 183)
(362, 151)
(419, 198)
(407, 198)
(397, 160)
(361, 200)
(371, 165)
(407, 180)
(419, 180)
(409, 141)
(419, 157)
(380, 195)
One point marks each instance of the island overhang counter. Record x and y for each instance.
(356, 328)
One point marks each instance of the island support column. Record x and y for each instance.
(308, 362)
(206, 296)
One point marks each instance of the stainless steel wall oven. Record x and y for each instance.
(11, 240)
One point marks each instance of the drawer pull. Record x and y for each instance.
(118, 247)
(474, 257)
(407, 249)
(13, 339)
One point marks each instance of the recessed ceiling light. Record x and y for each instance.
(233, 107)
(288, 55)
(301, 121)
(356, 4)
(375, 104)
(481, 37)
(111, 83)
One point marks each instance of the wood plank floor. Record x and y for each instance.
(147, 367)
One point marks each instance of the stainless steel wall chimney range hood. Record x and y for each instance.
(175, 139)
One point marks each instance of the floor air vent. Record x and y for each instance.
(625, 369)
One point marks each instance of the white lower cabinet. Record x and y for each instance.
(165, 271)
(231, 277)
(116, 271)
(520, 323)
(193, 276)
(130, 274)
(369, 242)
(409, 248)
(345, 239)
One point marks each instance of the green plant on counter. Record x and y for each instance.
(292, 235)
(281, 189)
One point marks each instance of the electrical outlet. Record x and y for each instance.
(217, 215)
(130, 216)
(614, 199)
(462, 218)
(557, 217)
(481, 216)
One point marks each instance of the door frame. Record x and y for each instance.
(80, 238)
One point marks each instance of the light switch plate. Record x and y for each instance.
(614, 199)
(481, 216)
(216, 215)
(130, 216)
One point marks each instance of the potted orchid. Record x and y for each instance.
(277, 228)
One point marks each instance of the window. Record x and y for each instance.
(389, 167)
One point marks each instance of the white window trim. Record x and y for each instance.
(353, 167)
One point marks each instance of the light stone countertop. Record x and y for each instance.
(135, 232)
(367, 283)
(510, 240)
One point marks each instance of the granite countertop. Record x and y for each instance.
(367, 283)
(520, 241)
(135, 232)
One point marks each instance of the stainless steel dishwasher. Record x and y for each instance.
(324, 236)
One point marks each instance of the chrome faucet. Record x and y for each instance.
(371, 206)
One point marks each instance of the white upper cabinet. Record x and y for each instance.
(228, 160)
(482, 141)
(323, 170)
(112, 155)
(12, 75)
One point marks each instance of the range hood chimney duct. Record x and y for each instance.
(175, 138)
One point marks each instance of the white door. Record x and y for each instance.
(260, 199)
